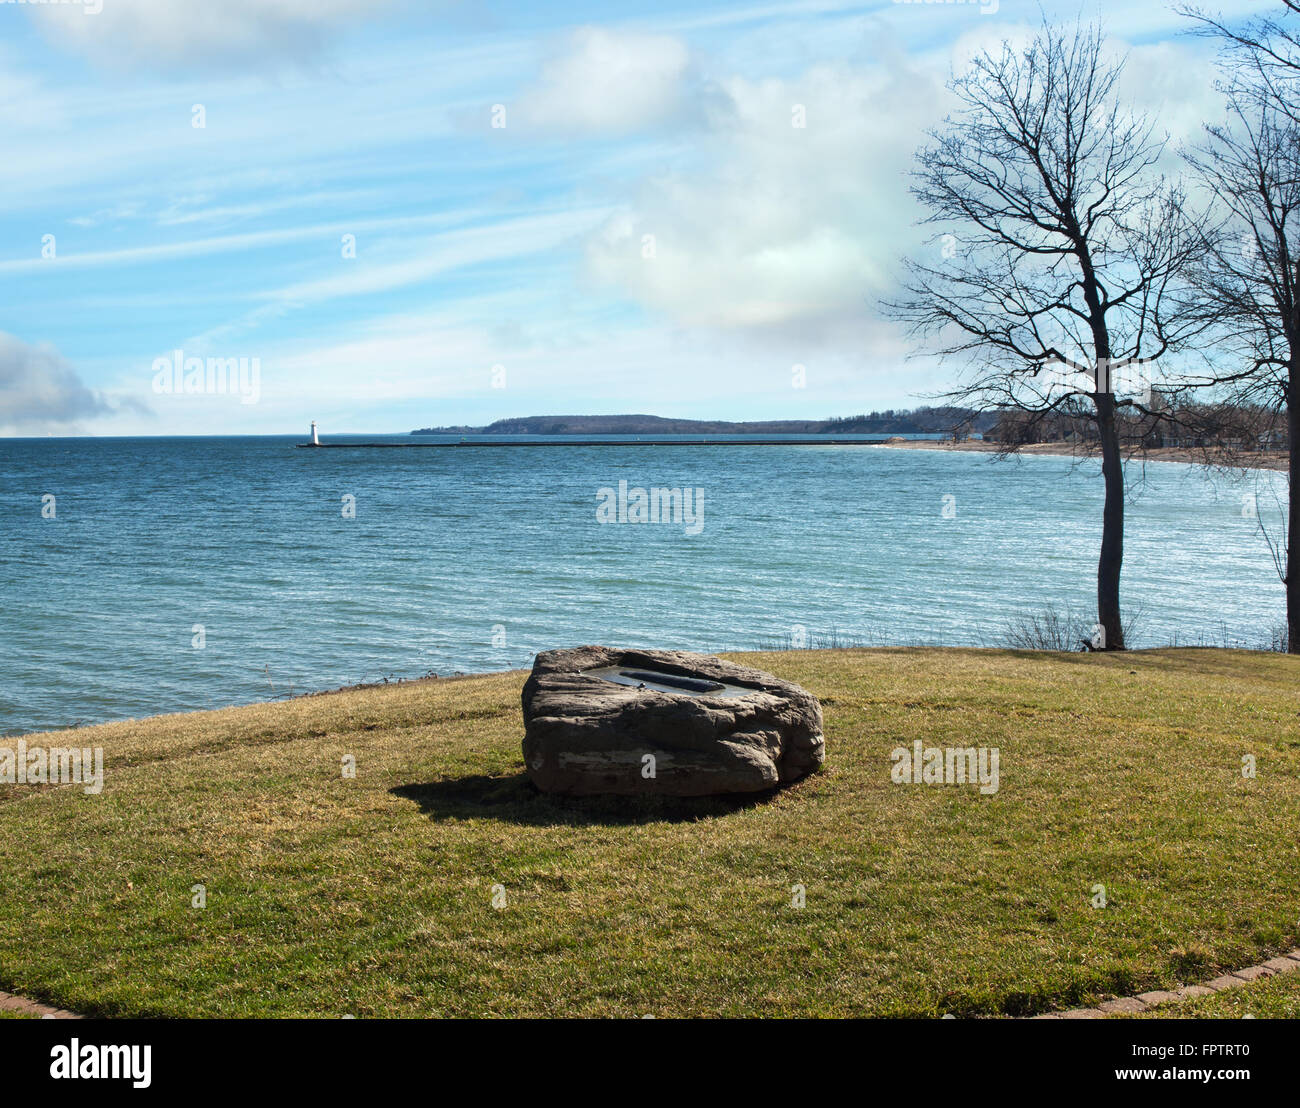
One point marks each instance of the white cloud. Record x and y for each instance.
(785, 227)
(609, 82)
(795, 233)
(168, 33)
(1171, 82)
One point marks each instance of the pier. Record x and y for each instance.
(811, 441)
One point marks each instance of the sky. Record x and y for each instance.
(392, 215)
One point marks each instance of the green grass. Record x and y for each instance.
(373, 896)
(1271, 998)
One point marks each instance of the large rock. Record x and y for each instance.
(585, 734)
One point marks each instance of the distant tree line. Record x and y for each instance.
(902, 421)
(1224, 430)
(946, 420)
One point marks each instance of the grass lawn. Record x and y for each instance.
(374, 896)
(1273, 998)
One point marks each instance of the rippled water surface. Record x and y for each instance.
(473, 559)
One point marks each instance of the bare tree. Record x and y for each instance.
(1249, 284)
(1072, 250)
(1262, 53)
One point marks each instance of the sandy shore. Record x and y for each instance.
(1278, 461)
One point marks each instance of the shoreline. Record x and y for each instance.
(284, 698)
(1183, 455)
(436, 679)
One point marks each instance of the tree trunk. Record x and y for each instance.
(1292, 580)
(1112, 527)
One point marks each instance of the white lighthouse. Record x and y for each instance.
(314, 440)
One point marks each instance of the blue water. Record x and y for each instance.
(473, 559)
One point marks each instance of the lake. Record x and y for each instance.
(173, 574)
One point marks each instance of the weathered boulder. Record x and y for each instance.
(664, 722)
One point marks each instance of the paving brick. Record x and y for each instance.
(11, 1003)
(18, 1004)
(1189, 992)
(1126, 1004)
(1159, 996)
(1253, 973)
(1083, 1014)
(1283, 964)
(1227, 981)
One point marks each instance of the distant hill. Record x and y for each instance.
(901, 422)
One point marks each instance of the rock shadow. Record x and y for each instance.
(513, 798)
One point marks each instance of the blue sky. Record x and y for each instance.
(649, 230)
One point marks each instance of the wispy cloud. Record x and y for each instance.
(223, 244)
(514, 238)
